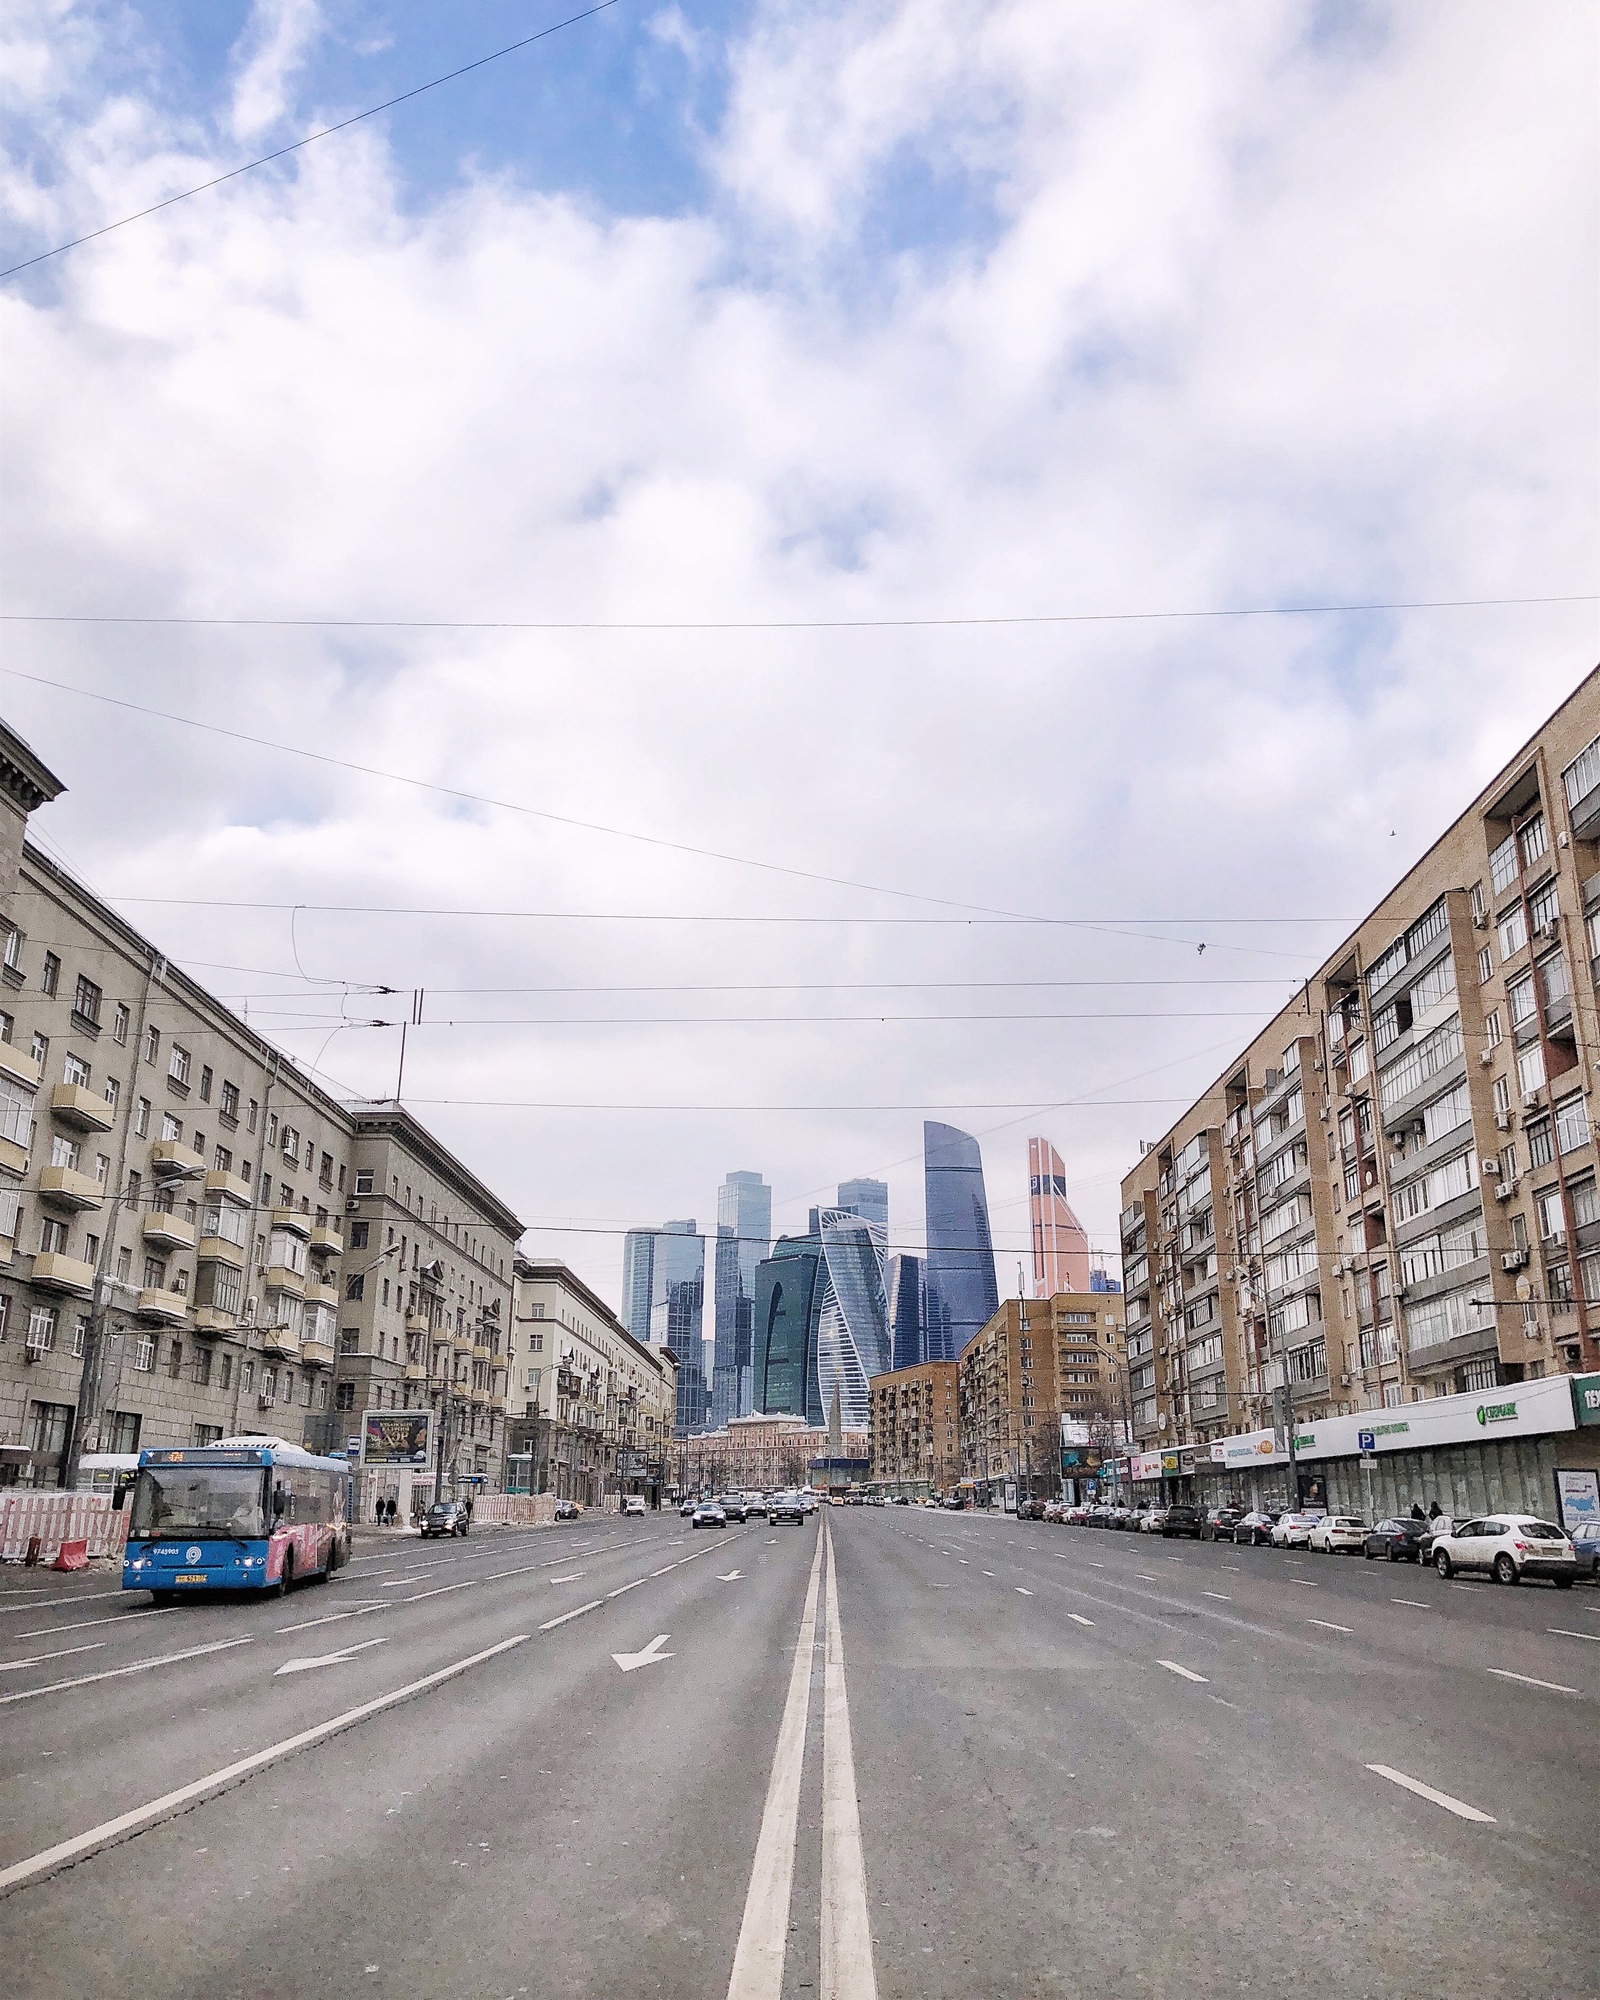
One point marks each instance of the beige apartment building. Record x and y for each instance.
(1390, 1195)
(1036, 1362)
(915, 1428)
(175, 1196)
(592, 1408)
(754, 1454)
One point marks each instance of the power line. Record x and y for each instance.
(310, 139)
(1026, 1105)
(976, 619)
(737, 1020)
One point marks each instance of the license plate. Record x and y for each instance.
(188, 1579)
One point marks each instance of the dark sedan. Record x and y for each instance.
(1255, 1530)
(1400, 1540)
(1220, 1523)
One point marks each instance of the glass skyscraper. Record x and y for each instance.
(868, 1199)
(663, 1302)
(960, 1292)
(744, 1235)
(787, 1298)
(853, 1317)
(1060, 1243)
(903, 1287)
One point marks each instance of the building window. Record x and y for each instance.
(222, 1161)
(80, 1335)
(230, 1102)
(13, 950)
(255, 1112)
(355, 1286)
(50, 976)
(113, 1092)
(171, 1128)
(121, 1020)
(86, 1001)
(359, 1232)
(41, 1329)
(175, 1360)
(152, 1045)
(141, 1119)
(363, 1183)
(178, 1067)
(205, 1086)
(344, 1396)
(39, 1049)
(75, 1071)
(1485, 965)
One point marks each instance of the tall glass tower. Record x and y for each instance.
(1060, 1243)
(903, 1285)
(853, 1318)
(960, 1290)
(663, 1302)
(744, 1236)
(867, 1198)
(788, 1295)
(638, 1281)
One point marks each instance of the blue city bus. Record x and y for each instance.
(246, 1513)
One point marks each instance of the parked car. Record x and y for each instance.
(1053, 1510)
(567, 1510)
(902, 1499)
(633, 1506)
(1293, 1531)
(1428, 1532)
(1182, 1519)
(1127, 1519)
(1078, 1516)
(1399, 1539)
(708, 1515)
(1031, 1509)
(445, 1517)
(787, 1507)
(1152, 1520)
(1585, 1540)
(1337, 1535)
(1219, 1524)
(733, 1506)
(1254, 1530)
(1510, 1547)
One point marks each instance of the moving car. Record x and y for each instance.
(1399, 1539)
(1510, 1547)
(1337, 1534)
(1254, 1529)
(787, 1507)
(708, 1515)
(733, 1506)
(1220, 1523)
(1182, 1519)
(1293, 1531)
(634, 1505)
(687, 1509)
(567, 1510)
(445, 1517)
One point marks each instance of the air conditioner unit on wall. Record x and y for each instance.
(1513, 1260)
(1502, 1121)
(1486, 1056)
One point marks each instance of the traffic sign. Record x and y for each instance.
(1366, 1441)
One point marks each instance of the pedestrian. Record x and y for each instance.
(1434, 1510)
(392, 1510)
(379, 1514)
(1416, 1511)
(469, 1510)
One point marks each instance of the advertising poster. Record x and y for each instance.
(1579, 1494)
(396, 1437)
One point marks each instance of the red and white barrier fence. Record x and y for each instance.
(55, 1518)
(516, 1510)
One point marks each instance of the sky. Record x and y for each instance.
(704, 343)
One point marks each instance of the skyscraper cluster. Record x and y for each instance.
(809, 1318)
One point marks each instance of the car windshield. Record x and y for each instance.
(198, 1500)
(1542, 1531)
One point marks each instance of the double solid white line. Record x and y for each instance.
(758, 1960)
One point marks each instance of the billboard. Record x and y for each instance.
(397, 1437)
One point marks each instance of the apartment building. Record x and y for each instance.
(1390, 1195)
(1036, 1362)
(593, 1407)
(915, 1428)
(173, 1196)
(753, 1454)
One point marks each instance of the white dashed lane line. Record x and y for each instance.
(1078, 1618)
(1021, 1592)
(1218, 1595)
(1328, 1626)
(1527, 1680)
(1561, 1632)
(1456, 1806)
(1185, 1673)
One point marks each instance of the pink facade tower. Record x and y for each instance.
(1060, 1245)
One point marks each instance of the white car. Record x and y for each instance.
(1337, 1534)
(1293, 1531)
(1510, 1547)
(634, 1504)
(1150, 1520)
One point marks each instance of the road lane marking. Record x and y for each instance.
(1327, 1626)
(1505, 1674)
(847, 1972)
(1078, 1618)
(623, 1588)
(1220, 1596)
(34, 1599)
(764, 1931)
(1456, 1806)
(49, 1859)
(1561, 1632)
(1305, 1583)
(566, 1617)
(647, 1656)
(328, 1659)
(332, 1617)
(98, 1645)
(468, 1583)
(577, 1577)
(137, 1667)
(400, 1582)
(1097, 1565)
(1416, 1603)
(988, 1572)
(732, 1576)
(114, 1618)
(1188, 1674)
(1017, 1587)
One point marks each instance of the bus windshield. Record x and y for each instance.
(198, 1500)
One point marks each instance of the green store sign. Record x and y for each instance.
(1586, 1398)
(1497, 1413)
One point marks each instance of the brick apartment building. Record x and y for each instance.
(1036, 1362)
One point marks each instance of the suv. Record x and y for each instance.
(786, 1507)
(445, 1517)
(733, 1505)
(1183, 1520)
(1509, 1547)
(1219, 1524)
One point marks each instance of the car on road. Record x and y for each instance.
(1397, 1540)
(1182, 1519)
(1585, 1540)
(687, 1509)
(1219, 1524)
(733, 1506)
(1254, 1530)
(708, 1515)
(567, 1510)
(787, 1507)
(1031, 1509)
(633, 1506)
(445, 1517)
(1076, 1516)
(1338, 1534)
(1429, 1531)
(1510, 1547)
(1293, 1531)
(1152, 1520)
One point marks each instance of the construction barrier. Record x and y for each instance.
(72, 1555)
(54, 1518)
(515, 1510)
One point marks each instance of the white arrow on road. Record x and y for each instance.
(648, 1658)
(576, 1577)
(327, 1659)
(733, 1576)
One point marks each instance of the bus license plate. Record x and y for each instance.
(188, 1579)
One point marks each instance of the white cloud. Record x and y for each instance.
(1253, 318)
(273, 49)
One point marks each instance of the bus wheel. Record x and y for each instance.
(163, 1600)
(287, 1577)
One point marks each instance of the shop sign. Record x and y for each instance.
(1145, 1465)
(1497, 1413)
(1252, 1448)
(1169, 1464)
(1586, 1398)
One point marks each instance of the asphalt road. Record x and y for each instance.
(893, 1753)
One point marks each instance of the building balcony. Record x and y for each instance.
(159, 1307)
(84, 1110)
(169, 1232)
(480, 1350)
(480, 1398)
(327, 1239)
(416, 1371)
(280, 1278)
(497, 1402)
(214, 1320)
(19, 1066)
(316, 1353)
(230, 1186)
(279, 1340)
(292, 1220)
(55, 1273)
(418, 1323)
(65, 1187)
(170, 1158)
(219, 1250)
(320, 1294)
